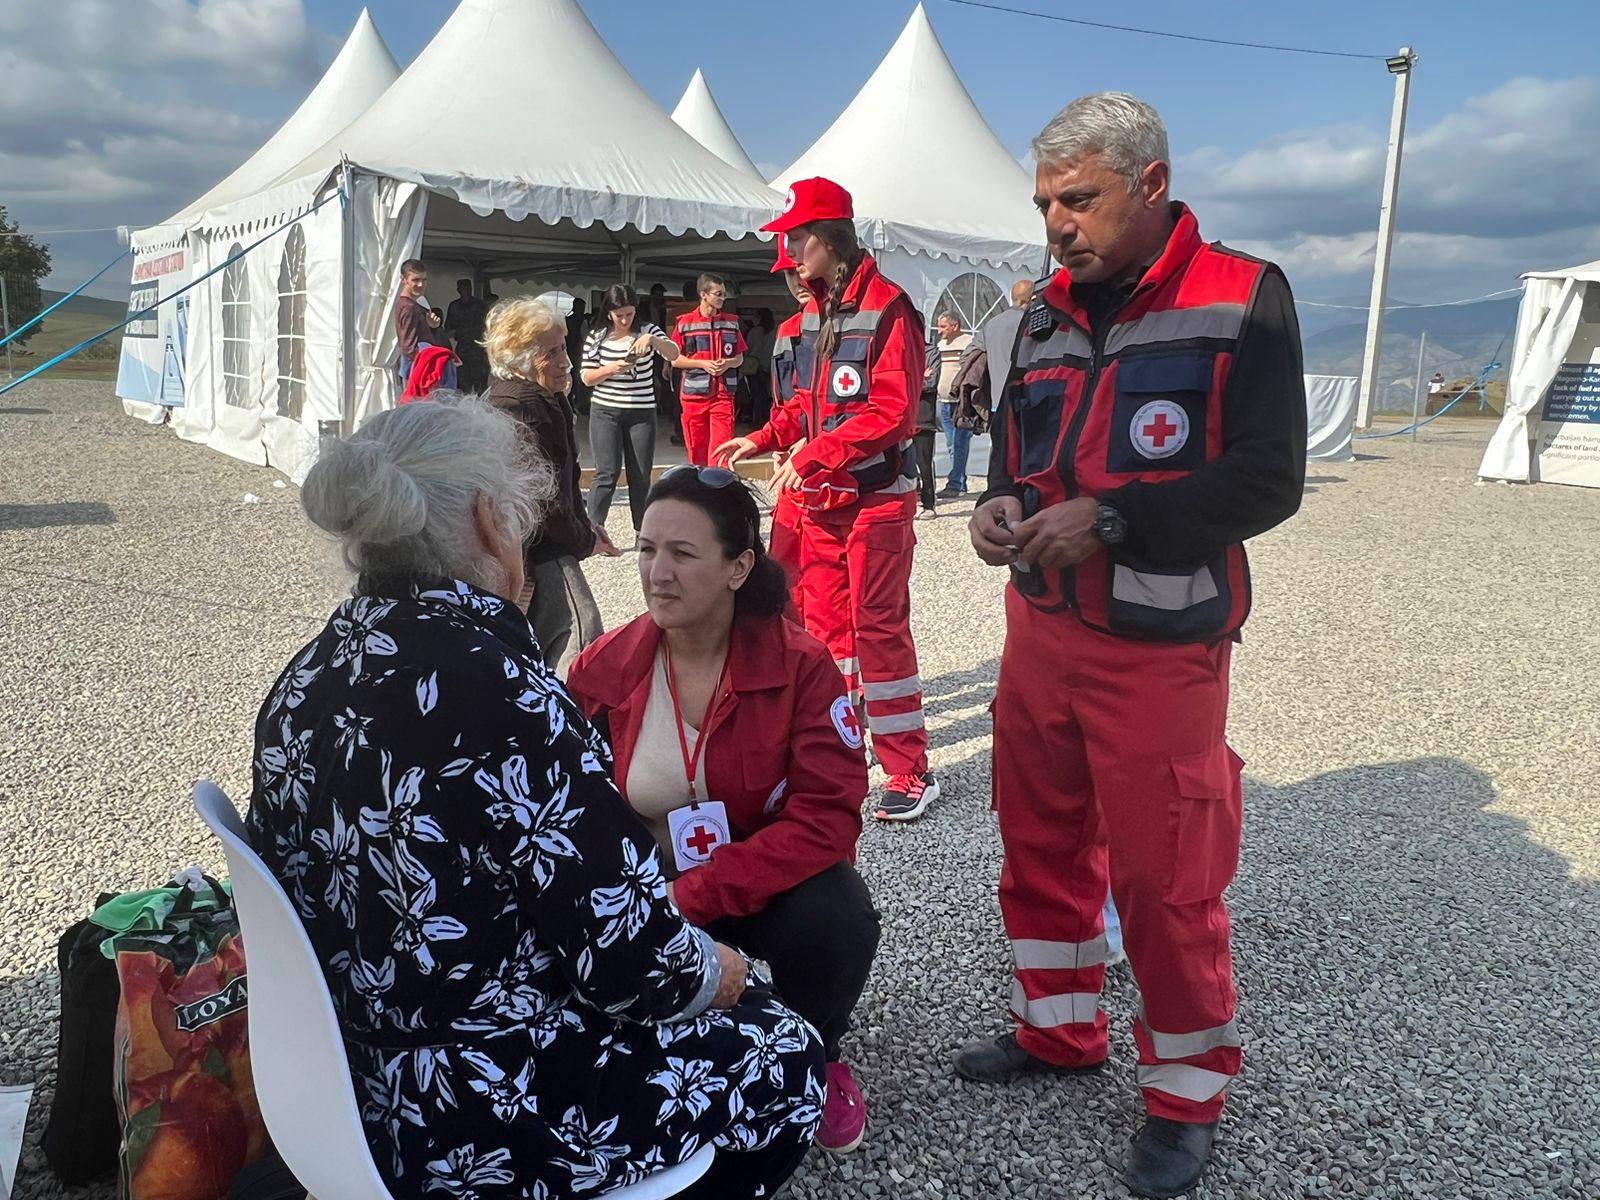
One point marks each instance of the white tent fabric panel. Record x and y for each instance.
(360, 73)
(1547, 320)
(1331, 416)
(701, 117)
(388, 215)
(926, 171)
(519, 144)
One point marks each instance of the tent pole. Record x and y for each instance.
(1400, 67)
(347, 298)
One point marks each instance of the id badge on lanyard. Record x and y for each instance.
(702, 825)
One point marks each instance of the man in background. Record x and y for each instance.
(997, 335)
(463, 322)
(415, 325)
(713, 348)
(951, 345)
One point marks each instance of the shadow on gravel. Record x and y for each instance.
(46, 516)
(17, 411)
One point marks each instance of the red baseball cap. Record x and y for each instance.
(783, 261)
(810, 200)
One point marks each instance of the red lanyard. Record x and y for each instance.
(691, 762)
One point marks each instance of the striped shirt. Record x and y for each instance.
(634, 388)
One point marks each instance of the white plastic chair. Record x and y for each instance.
(302, 1077)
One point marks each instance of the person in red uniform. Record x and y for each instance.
(712, 348)
(1153, 420)
(858, 376)
(735, 742)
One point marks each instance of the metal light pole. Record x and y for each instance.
(1400, 67)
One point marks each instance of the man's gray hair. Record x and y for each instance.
(399, 493)
(1125, 131)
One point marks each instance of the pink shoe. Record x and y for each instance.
(844, 1115)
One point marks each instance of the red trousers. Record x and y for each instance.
(706, 425)
(1109, 749)
(783, 547)
(855, 588)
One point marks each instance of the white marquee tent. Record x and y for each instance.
(153, 368)
(1550, 430)
(528, 186)
(938, 198)
(700, 116)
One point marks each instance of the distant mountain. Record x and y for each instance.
(89, 306)
(1461, 340)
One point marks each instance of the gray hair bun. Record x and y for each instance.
(358, 492)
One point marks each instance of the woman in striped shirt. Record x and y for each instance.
(619, 367)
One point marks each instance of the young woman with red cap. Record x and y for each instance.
(858, 364)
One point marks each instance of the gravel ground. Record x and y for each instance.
(1417, 927)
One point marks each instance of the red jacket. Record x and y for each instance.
(716, 336)
(427, 372)
(857, 410)
(784, 755)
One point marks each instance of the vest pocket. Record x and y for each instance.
(1177, 605)
(1038, 407)
(847, 371)
(1158, 420)
(1207, 819)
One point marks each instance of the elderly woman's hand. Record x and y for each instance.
(735, 975)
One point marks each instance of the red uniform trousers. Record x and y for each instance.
(706, 425)
(783, 547)
(855, 587)
(1111, 747)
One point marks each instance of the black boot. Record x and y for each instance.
(1168, 1157)
(1001, 1060)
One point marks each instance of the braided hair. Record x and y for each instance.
(839, 236)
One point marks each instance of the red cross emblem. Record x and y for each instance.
(848, 722)
(701, 840)
(1159, 429)
(846, 381)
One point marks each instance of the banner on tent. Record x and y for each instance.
(155, 348)
(1569, 427)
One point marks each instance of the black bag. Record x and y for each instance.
(83, 1137)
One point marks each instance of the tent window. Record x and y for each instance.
(236, 331)
(292, 326)
(972, 297)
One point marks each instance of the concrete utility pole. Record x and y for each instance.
(1416, 394)
(1400, 67)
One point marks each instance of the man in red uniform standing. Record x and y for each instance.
(857, 371)
(713, 347)
(1154, 418)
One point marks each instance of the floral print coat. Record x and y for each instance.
(526, 1012)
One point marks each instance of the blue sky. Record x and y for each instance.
(1279, 152)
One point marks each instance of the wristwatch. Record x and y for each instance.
(1110, 526)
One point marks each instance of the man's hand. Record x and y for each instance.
(604, 544)
(994, 542)
(735, 974)
(785, 478)
(732, 450)
(433, 319)
(1061, 535)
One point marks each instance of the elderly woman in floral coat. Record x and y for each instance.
(527, 1014)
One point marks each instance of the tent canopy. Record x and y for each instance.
(927, 173)
(540, 119)
(361, 72)
(700, 116)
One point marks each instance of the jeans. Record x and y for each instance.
(819, 938)
(616, 434)
(563, 613)
(924, 440)
(958, 442)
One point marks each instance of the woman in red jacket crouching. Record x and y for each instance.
(735, 742)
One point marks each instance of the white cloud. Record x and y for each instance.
(1503, 184)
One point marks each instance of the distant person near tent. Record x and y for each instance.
(713, 347)
(1154, 420)
(415, 325)
(463, 322)
(858, 374)
(953, 342)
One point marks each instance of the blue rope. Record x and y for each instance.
(23, 328)
(1465, 392)
(144, 312)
